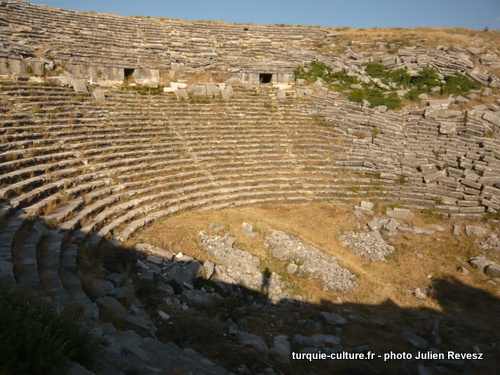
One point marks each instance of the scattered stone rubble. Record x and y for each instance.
(310, 261)
(369, 245)
(237, 266)
(441, 156)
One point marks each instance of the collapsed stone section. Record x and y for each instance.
(237, 266)
(309, 261)
(368, 245)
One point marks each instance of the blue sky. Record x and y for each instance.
(473, 14)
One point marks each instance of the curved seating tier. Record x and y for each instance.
(127, 42)
(74, 171)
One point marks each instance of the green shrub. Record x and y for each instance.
(426, 79)
(400, 77)
(37, 339)
(357, 95)
(312, 71)
(459, 85)
(375, 97)
(376, 70)
(413, 95)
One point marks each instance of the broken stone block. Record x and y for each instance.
(248, 230)
(374, 224)
(448, 128)
(283, 348)
(251, 340)
(112, 304)
(79, 86)
(333, 319)
(415, 340)
(475, 230)
(101, 287)
(491, 117)
(208, 268)
(435, 176)
(98, 95)
(426, 231)
(480, 262)
(399, 213)
(493, 270)
(182, 94)
(391, 225)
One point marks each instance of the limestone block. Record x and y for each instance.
(282, 347)
(281, 95)
(198, 90)
(425, 231)
(248, 231)
(480, 262)
(37, 67)
(333, 319)
(487, 59)
(475, 230)
(435, 176)
(99, 95)
(399, 213)
(17, 66)
(493, 270)
(366, 205)
(208, 269)
(432, 112)
(181, 94)
(425, 168)
(251, 340)
(493, 118)
(60, 80)
(178, 85)
(79, 85)
(391, 225)
(212, 90)
(374, 224)
(473, 50)
(112, 304)
(439, 104)
(381, 108)
(448, 128)
(415, 340)
(101, 287)
(4, 66)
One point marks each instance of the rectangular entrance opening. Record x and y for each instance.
(127, 73)
(265, 77)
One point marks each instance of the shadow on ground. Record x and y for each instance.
(242, 330)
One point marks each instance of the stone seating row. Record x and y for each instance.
(128, 189)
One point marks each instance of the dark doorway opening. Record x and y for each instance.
(128, 73)
(265, 77)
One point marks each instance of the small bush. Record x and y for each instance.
(459, 85)
(376, 70)
(426, 79)
(312, 71)
(37, 339)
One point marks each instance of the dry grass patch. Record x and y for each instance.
(418, 261)
(428, 37)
